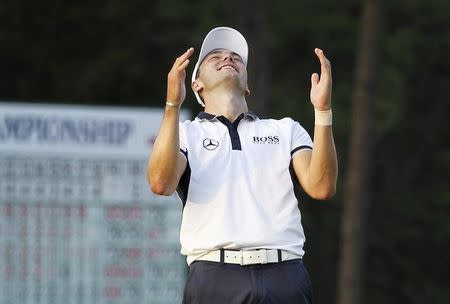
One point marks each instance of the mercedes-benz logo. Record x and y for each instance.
(210, 144)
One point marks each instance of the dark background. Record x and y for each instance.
(117, 52)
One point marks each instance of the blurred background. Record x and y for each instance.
(385, 236)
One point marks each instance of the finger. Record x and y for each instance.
(183, 65)
(185, 55)
(325, 67)
(314, 79)
(321, 55)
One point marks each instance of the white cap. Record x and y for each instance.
(221, 38)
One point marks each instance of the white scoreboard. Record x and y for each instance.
(78, 222)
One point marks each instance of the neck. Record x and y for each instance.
(225, 103)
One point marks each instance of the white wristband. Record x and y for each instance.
(323, 118)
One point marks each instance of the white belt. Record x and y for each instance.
(249, 257)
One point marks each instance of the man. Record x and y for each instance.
(235, 174)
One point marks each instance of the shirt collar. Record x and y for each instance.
(211, 117)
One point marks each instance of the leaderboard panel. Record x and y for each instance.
(84, 227)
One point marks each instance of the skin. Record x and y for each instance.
(222, 84)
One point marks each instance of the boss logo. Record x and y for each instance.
(273, 140)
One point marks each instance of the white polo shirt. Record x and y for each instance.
(238, 189)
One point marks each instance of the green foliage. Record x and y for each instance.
(410, 231)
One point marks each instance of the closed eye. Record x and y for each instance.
(237, 58)
(212, 58)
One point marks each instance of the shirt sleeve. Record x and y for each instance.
(300, 139)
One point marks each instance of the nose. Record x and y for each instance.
(228, 56)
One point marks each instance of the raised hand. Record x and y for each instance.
(176, 88)
(321, 85)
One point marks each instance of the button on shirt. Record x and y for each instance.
(238, 186)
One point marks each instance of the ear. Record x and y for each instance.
(197, 86)
(247, 91)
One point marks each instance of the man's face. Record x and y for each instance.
(221, 66)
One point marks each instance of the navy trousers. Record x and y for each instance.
(219, 283)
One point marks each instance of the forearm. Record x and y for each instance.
(163, 163)
(317, 170)
(323, 168)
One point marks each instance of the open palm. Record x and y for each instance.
(176, 88)
(321, 85)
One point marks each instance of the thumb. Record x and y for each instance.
(314, 79)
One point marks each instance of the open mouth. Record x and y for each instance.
(227, 67)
